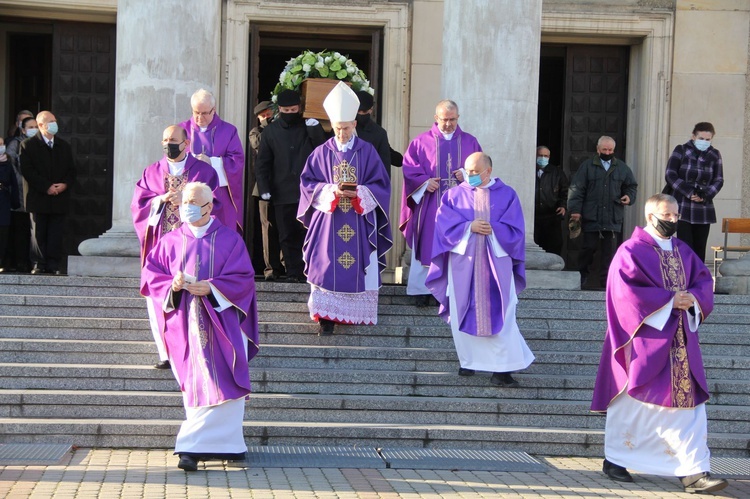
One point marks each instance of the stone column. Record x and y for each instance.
(491, 51)
(164, 54)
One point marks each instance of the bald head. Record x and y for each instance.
(478, 165)
(174, 141)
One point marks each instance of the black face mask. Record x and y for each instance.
(172, 150)
(363, 119)
(665, 228)
(291, 118)
(606, 157)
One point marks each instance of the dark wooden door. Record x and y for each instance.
(595, 100)
(83, 101)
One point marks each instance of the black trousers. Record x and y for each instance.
(271, 249)
(695, 236)
(291, 237)
(604, 242)
(17, 252)
(548, 234)
(47, 231)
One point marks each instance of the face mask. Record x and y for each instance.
(541, 161)
(290, 118)
(606, 157)
(362, 119)
(701, 144)
(2, 150)
(31, 132)
(52, 128)
(263, 122)
(191, 213)
(475, 180)
(172, 150)
(665, 228)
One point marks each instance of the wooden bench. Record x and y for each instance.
(731, 226)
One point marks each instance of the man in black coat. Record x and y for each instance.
(369, 131)
(550, 201)
(284, 147)
(48, 167)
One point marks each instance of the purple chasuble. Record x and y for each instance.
(338, 245)
(430, 156)
(153, 183)
(664, 367)
(206, 348)
(481, 280)
(221, 140)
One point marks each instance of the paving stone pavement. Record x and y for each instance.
(123, 473)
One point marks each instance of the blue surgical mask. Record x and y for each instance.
(31, 132)
(542, 161)
(2, 150)
(191, 213)
(52, 128)
(701, 144)
(475, 180)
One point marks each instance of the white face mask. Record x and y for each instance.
(2, 150)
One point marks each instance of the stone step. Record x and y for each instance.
(365, 409)
(155, 434)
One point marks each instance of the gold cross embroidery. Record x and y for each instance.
(345, 204)
(346, 232)
(346, 260)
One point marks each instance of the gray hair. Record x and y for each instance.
(654, 201)
(446, 104)
(603, 139)
(200, 190)
(202, 95)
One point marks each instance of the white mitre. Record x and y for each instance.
(341, 104)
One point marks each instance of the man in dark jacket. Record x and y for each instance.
(369, 131)
(284, 147)
(48, 167)
(550, 200)
(599, 191)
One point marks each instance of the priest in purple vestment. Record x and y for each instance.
(157, 198)
(432, 165)
(651, 381)
(201, 281)
(477, 270)
(344, 196)
(216, 142)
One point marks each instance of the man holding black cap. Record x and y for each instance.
(270, 236)
(284, 147)
(369, 131)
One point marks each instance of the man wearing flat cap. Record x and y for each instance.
(370, 131)
(273, 269)
(284, 147)
(344, 198)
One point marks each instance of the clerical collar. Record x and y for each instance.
(664, 243)
(448, 136)
(203, 128)
(492, 181)
(199, 232)
(345, 147)
(177, 167)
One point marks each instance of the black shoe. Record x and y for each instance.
(616, 472)
(701, 483)
(297, 279)
(37, 271)
(504, 379)
(462, 371)
(163, 364)
(423, 301)
(326, 327)
(271, 277)
(187, 463)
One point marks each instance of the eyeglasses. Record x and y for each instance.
(207, 113)
(447, 120)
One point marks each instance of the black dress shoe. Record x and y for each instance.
(701, 483)
(462, 371)
(423, 301)
(504, 379)
(187, 463)
(616, 472)
(163, 364)
(37, 271)
(326, 327)
(297, 279)
(271, 277)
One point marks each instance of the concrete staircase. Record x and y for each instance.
(76, 362)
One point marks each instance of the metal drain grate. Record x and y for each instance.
(730, 467)
(288, 456)
(32, 454)
(462, 459)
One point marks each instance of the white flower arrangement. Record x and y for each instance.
(325, 64)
